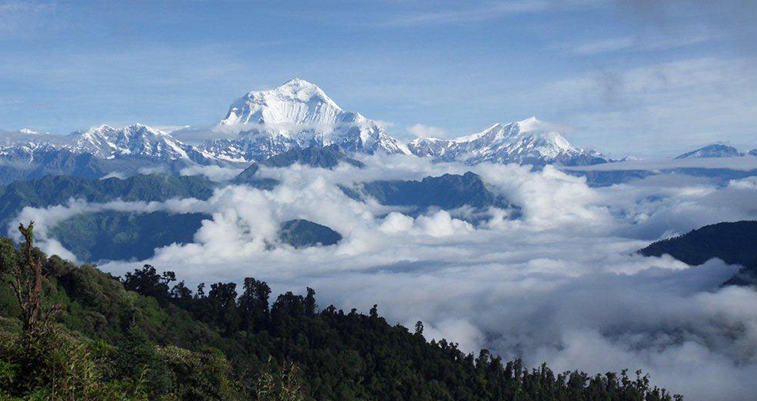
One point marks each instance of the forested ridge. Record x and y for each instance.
(72, 332)
(731, 242)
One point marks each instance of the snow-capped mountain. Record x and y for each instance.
(296, 114)
(262, 124)
(135, 140)
(524, 142)
(715, 150)
(103, 142)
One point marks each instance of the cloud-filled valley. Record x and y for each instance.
(560, 284)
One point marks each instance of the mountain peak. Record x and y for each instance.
(298, 82)
(528, 141)
(294, 102)
(713, 150)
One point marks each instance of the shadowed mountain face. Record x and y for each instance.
(122, 236)
(324, 157)
(734, 243)
(303, 233)
(447, 192)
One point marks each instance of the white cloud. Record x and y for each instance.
(214, 173)
(562, 285)
(427, 131)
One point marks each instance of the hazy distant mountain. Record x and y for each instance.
(715, 150)
(466, 193)
(524, 142)
(324, 157)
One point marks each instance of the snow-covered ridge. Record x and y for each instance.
(105, 142)
(524, 142)
(140, 140)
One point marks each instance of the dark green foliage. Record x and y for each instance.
(160, 343)
(303, 233)
(122, 235)
(56, 190)
(734, 243)
(447, 192)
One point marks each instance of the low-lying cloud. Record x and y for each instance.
(561, 285)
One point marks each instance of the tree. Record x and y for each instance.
(25, 279)
(223, 297)
(253, 304)
(419, 328)
(149, 283)
(310, 305)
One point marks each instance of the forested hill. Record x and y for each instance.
(145, 336)
(731, 242)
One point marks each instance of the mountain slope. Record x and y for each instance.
(323, 157)
(297, 114)
(135, 140)
(450, 192)
(524, 142)
(149, 337)
(733, 243)
(95, 153)
(715, 150)
(123, 236)
(57, 190)
(103, 142)
(301, 233)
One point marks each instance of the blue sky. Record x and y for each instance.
(640, 77)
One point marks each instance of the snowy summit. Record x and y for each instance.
(523, 142)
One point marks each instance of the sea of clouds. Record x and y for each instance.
(560, 285)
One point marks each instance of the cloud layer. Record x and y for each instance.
(562, 285)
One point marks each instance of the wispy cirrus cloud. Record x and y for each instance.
(477, 13)
(642, 43)
(22, 18)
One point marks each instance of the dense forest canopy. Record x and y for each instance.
(73, 332)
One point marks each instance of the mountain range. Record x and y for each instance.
(524, 142)
(263, 124)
